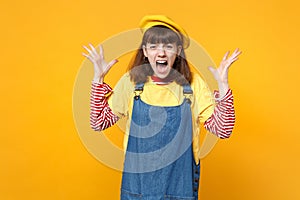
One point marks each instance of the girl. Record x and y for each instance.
(165, 104)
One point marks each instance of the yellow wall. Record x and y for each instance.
(42, 156)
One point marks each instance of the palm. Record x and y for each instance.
(221, 73)
(101, 67)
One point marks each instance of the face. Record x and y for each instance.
(161, 57)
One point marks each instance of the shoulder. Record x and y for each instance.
(122, 93)
(124, 85)
(201, 89)
(198, 82)
(125, 80)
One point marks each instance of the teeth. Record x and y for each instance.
(161, 61)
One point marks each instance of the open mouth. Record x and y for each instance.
(161, 63)
(162, 66)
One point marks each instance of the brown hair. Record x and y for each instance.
(139, 67)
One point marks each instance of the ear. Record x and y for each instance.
(179, 49)
(145, 51)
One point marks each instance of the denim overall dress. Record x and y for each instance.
(159, 163)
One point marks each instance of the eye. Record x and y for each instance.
(169, 46)
(152, 46)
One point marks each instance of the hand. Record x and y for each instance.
(221, 73)
(101, 67)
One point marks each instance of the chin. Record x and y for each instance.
(162, 75)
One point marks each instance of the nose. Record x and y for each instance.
(161, 51)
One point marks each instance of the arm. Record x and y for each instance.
(223, 118)
(101, 116)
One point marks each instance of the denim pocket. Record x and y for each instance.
(170, 197)
(126, 195)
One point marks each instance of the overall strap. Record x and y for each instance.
(187, 92)
(138, 89)
(187, 89)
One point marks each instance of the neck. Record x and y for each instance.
(162, 81)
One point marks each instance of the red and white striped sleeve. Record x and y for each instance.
(222, 120)
(101, 116)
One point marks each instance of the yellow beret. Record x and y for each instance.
(154, 20)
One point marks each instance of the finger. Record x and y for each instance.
(230, 62)
(235, 54)
(88, 57)
(225, 56)
(235, 59)
(87, 49)
(109, 66)
(238, 53)
(212, 69)
(111, 63)
(85, 55)
(236, 50)
(94, 52)
(101, 52)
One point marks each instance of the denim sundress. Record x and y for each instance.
(159, 162)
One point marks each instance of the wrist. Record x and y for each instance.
(98, 79)
(223, 88)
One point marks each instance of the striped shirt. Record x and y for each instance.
(220, 123)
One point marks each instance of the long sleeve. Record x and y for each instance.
(101, 116)
(222, 120)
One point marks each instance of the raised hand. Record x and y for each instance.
(221, 73)
(101, 67)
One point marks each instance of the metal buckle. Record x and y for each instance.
(137, 93)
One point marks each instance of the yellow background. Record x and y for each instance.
(41, 154)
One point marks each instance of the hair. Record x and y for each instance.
(140, 68)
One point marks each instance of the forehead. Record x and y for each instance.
(160, 43)
(163, 35)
